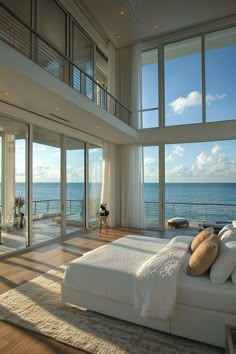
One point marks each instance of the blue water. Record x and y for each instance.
(193, 192)
(211, 193)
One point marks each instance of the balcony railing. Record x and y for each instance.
(28, 42)
(195, 212)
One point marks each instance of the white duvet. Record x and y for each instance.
(156, 280)
(119, 271)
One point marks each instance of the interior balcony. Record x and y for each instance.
(37, 79)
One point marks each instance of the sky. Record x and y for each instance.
(195, 162)
(46, 164)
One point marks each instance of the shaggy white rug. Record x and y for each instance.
(36, 306)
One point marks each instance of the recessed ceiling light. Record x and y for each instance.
(57, 108)
(156, 25)
(5, 93)
(122, 12)
(117, 36)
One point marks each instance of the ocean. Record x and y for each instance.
(188, 200)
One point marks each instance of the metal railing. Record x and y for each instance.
(47, 207)
(199, 212)
(31, 44)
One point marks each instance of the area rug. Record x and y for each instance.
(36, 306)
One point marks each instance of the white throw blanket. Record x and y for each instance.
(156, 280)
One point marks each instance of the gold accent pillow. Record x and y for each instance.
(204, 256)
(202, 236)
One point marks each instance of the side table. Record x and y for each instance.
(230, 339)
(103, 221)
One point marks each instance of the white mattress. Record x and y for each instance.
(201, 292)
(109, 271)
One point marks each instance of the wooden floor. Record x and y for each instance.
(19, 269)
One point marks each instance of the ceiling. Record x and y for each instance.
(140, 16)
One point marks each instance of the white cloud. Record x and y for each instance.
(178, 171)
(193, 99)
(216, 97)
(179, 105)
(148, 160)
(216, 148)
(211, 166)
(177, 150)
(214, 164)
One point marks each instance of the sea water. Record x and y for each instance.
(200, 193)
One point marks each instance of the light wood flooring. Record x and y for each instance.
(19, 269)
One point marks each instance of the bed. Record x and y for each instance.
(115, 280)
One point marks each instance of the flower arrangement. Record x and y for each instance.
(103, 210)
(19, 203)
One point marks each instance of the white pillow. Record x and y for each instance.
(229, 235)
(233, 276)
(224, 264)
(225, 228)
(234, 223)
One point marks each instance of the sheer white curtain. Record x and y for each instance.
(123, 166)
(109, 184)
(132, 198)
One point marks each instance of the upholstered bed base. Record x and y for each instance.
(196, 323)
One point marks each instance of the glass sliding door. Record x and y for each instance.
(95, 162)
(75, 185)
(46, 189)
(151, 186)
(14, 197)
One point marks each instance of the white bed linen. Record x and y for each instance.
(156, 280)
(110, 270)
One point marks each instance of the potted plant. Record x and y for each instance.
(103, 210)
(19, 203)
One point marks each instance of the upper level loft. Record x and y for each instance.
(57, 44)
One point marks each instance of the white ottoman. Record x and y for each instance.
(176, 222)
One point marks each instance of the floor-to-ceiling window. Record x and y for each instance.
(75, 185)
(200, 181)
(151, 186)
(220, 56)
(95, 161)
(46, 186)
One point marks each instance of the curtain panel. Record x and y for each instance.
(132, 196)
(110, 182)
